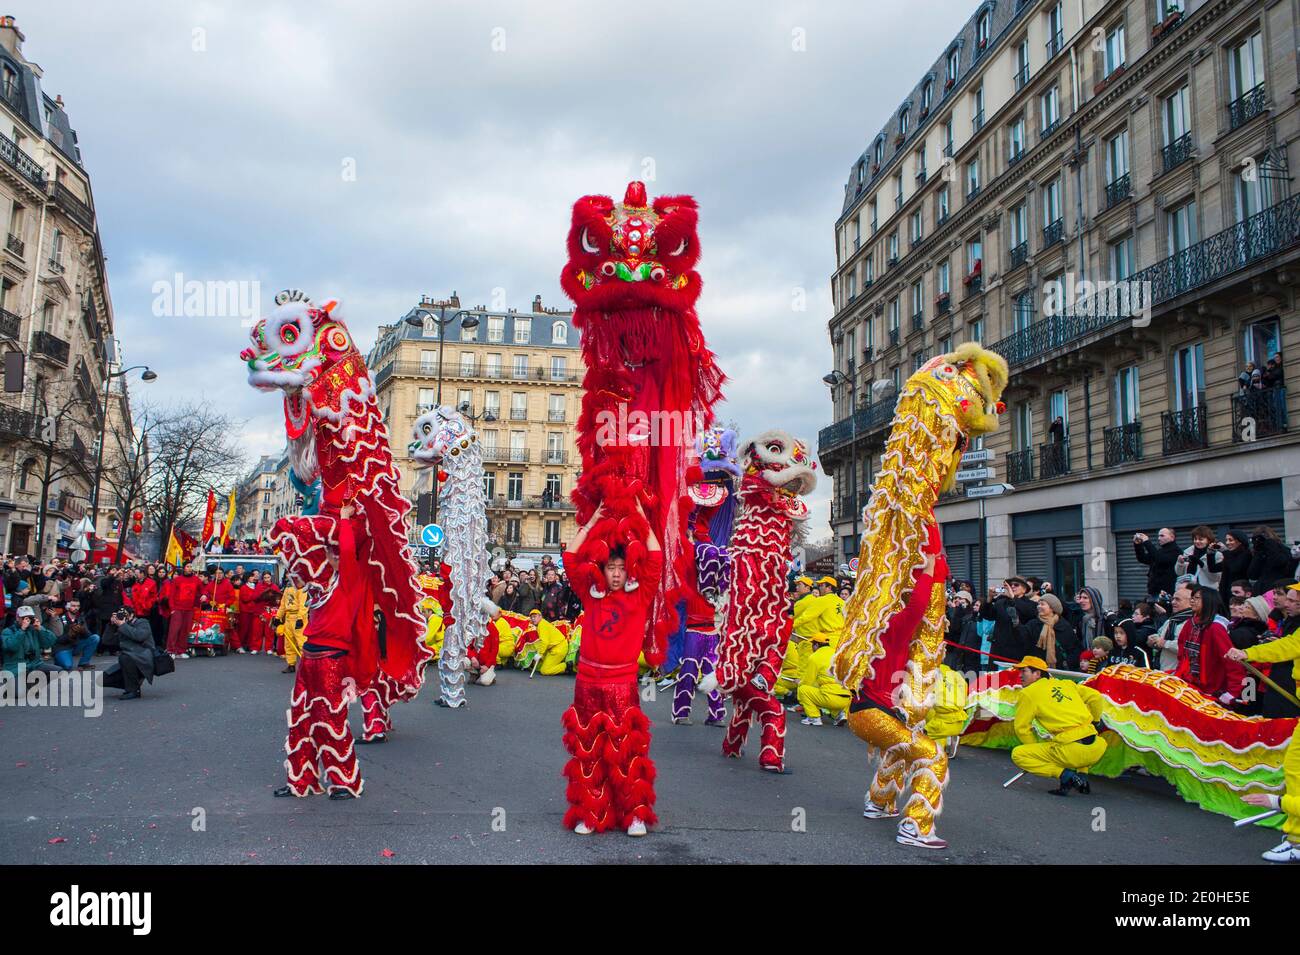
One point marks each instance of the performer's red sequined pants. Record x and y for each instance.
(319, 746)
(611, 777)
(750, 703)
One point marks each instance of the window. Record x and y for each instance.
(1016, 139)
(851, 285)
(554, 447)
(469, 334)
(893, 319)
(1168, 8)
(555, 407)
(947, 135)
(1022, 426)
(468, 364)
(1263, 341)
(1121, 258)
(972, 178)
(1058, 406)
(941, 206)
(496, 328)
(1051, 202)
(519, 406)
(559, 368)
(1114, 56)
(943, 277)
(1055, 31)
(954, 66)
(490, 484)
(916, 227)
(559, 333)
(465, 399)
(875, 219)
(490, 440)
(552, 532)
(919, 157)
(927, 96)
(1050, 104)
(918, 299)
(904, 116)
(1246, 66)
(523, 330)
(977, 108)
(878, 151)
(868, 269)
(896, 378)
(512, 530)
(555, 486)
(1176, 115)
(1127, 401)
(898, 192)
(1189, 377)
(492, 404)
(1022, 311)
(494, 365)
(974, 255)
(425, 401)
(918, 359)
(977, 330)
(1022, 62)
(982, 31)
(1117, 157)
(1181, 226)
(891, 247)
(428, 361)
(1253, 191)
(520, 366)
(1018, 220)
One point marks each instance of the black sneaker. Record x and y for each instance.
(282, 792)
(1080, 782)
(133, 695)
(341, 794)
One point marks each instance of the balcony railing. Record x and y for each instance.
(1054, 459)
(1178, 152)
(553, 456)
(974, 283)
(1119, 190)
(51, 346)
(1019, 254)
(866, 420)
(1020, 467)
(844, 508)
(10, 324)
(918, 322)
(1182, 431)
(15, 422)
(518, 414)
(74, 207)
(505, 455)
(554, 415)
(1122, 443)
(1245, 108)
(533, 502)
(1022, 77)
(943, 305)
(26, 166)
(1055, 44)
(1049, 127)
(978, 121)
(1258, 413)
(1053, 232)
(893, 337)
(16, 245)
(1233, 249)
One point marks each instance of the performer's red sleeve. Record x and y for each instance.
(579, 579)
(902, 626)
(654, 568)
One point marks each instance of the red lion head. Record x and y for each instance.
(633, 254)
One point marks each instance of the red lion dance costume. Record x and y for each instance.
(353, 567)
(631, 275)
(778, 470)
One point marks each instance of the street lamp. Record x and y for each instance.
(835, 379)
(415, 318)
(148, 374)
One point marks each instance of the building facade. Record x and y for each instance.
(1143, 144)
(517, 377)
(56, 315)
(255, 499)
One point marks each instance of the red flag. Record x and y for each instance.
(207, 517)
(188, 545)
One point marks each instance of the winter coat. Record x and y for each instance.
(1162, 559)
(1271, 565)
(135, 642)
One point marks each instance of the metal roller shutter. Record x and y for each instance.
(1132, 574)
(1069, 546)
(1031, 559)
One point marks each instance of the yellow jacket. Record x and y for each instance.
(506, 636)
(1065, 709)
(1276, 651)
(819, 618)
(292, 612)
(947, 717)
(548, 637)
(434, 630)
(805, 615)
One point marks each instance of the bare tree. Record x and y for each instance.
(193, 448)
(126, 471)
(63, 414)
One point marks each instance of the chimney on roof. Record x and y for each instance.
(454, 302)
(537, 304)
(11, 38)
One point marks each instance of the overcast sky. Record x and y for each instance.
(380, 151)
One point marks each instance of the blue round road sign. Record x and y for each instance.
(431, 535)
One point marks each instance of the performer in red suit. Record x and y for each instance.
(611, 777)
(246, 631)
(320, 746)
(217, 593)
(182, 594)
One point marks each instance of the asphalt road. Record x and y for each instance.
(185, 776)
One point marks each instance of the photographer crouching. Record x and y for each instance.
(135, 652)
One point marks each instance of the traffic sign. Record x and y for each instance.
(431, 535)
(853, 565)
(988, 490)
(975, 474)
(982, 456)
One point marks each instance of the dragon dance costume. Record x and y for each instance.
(650, 385)
(354, 570)
(778, 470)
(893, 641)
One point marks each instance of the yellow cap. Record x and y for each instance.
(804, 580)
(828, 580)
(1032, 663)
(1295, 586)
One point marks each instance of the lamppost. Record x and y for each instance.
(415, 318)
(835, 379)
(148, 374)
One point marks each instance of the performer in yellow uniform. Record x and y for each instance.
(552, 645)
(819, 690)
(947, 716)
(1279, 651)
(1067, 711)
(806, 611)
(290, 620)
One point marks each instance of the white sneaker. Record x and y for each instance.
(1285, 851)
(871, 811)
(909, 834)
(241, 650)
(666, 682)
(583, 829)
(811, 721)
(487, 677)
(951, 747)
(254, 652)
(637, 828)
(842, 718)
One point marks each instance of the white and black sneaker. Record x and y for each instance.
(909, 834)
(1285, 851)
(871, 811)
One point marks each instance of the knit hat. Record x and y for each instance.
(1260, 606)
(1054, 602)
(964, 595)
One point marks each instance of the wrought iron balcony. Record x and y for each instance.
(1246, 107)
(972, 192)
(1053, 460)
(943, 304)
(1235, 248)
(893, 337)
(1053, 233)
(1119, 190)
(51, 346)
(1019, 255)
(844, 508)
(16, 245)
(1258, 413)
(518, 414)
(1022, 77)
(26, 166)
(383, 374)
(918, 322)
(974, 283)
(10, 324)
(555, 456)
(554, 415)
(1177, 152)
(15, 422)
(978, 121)
(865, 420)
(1122, 443)
(74, 207)
(1055, 43)
(1050, 127)
(1182, 431)
(1020, 467)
